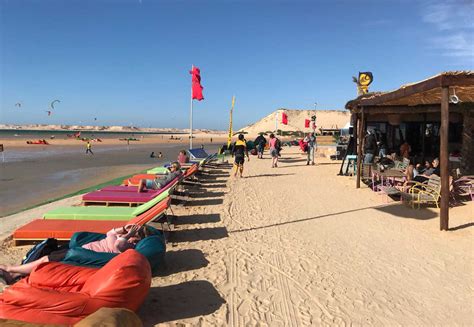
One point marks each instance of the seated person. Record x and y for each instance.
(118, 240)
(162, 180)
(183, 157)
(431, 169)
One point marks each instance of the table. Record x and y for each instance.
(387, 174)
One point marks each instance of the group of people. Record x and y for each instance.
(376, 145)
(421, 173)
(239, 150)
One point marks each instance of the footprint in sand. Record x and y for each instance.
(244, 308)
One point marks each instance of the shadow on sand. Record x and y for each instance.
(400, 211)
(201, 195)
(198, 234)
(183, 260)
(207, 202)
(403, 211)
(176, 302)
(267, 175)
(467, 225)
(214, 185)
(197, 219)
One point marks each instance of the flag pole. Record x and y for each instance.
(191, 118)
(276, 122)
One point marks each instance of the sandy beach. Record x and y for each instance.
(299, 246)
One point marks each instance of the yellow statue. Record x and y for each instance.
(363, 82)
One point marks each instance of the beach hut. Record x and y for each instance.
(437, 114)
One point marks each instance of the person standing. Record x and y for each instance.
(260, 141)
(310, 140)
(239, 152)
(370, 147)
(275, 147)
(405, 149)
(382, 144)
(89, 148)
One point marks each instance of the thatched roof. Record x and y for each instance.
(426, 92)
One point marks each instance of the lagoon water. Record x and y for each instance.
(32, 175)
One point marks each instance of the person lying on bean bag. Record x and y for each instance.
(117, 240)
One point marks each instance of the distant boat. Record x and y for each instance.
(16, 134)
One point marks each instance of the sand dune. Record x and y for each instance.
(296, 118)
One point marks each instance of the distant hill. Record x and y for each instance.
(296, 118)
(128, 129)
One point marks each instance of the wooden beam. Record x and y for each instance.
(360, 138)
(444, 160)
(419, 109)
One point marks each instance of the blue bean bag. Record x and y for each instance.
(152, 247)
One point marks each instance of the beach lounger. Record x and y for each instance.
(129, 198)
(103, 213)
(123, 188)
(197, 154)
(63, 229)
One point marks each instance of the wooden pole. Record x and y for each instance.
(360, 138)
(423, 139)
(444, 160)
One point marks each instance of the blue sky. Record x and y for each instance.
(127, 61)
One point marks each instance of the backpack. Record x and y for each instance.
(40, 250)
(278, 144)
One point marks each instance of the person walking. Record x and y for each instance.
(239, 151)
(310, 140)
(260, 142)
(275, 147)
(89, 148)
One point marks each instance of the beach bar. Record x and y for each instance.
(436, 115)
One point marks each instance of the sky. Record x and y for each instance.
(127, 62)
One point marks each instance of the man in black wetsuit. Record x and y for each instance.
(239, 151)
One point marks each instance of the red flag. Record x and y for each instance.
(196, 86)
(284, 119)
(306, 123)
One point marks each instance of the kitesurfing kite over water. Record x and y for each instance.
(18, 104)
(52, 103)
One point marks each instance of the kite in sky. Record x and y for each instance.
(52, 103)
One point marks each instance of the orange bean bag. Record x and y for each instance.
(57, 293)
(135, 180)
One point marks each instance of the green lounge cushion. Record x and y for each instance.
(103, 213)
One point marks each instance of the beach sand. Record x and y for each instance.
(299, 246)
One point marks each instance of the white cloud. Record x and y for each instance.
(454, 20)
